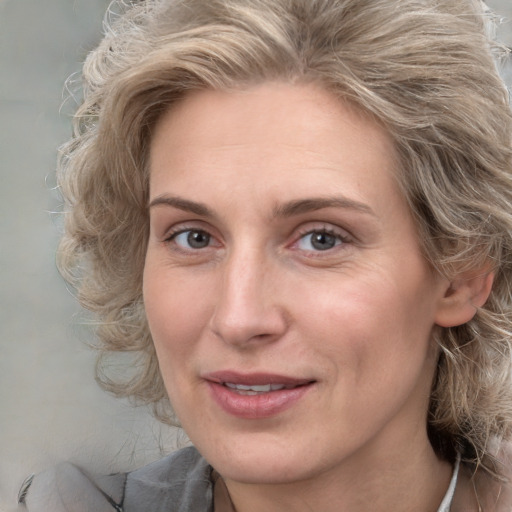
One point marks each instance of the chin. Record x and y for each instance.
(264, 462)
(261, 472)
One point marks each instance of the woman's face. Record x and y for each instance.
(288, 299)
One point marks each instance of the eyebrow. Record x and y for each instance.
(182, 204)
(289, 209)
(300, 206)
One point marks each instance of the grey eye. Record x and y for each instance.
(318, 241)
(192, 239)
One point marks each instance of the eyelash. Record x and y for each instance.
(174, 233)
(340, 238)
(324, 230)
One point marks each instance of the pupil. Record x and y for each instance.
(198, 239)
(323, 241)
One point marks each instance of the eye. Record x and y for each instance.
(319, 240)
(191, 239)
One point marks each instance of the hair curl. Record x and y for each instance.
(422, 68)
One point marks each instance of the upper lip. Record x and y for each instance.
(257, 378)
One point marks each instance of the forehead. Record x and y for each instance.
(295, 139)
(300, 108)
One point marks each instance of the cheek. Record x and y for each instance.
(177, 313)
(173, 320)
(370, 324)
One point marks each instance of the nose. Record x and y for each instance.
(247, 310)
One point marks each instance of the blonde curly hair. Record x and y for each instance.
(422, 68)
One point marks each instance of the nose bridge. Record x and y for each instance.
(246, 308)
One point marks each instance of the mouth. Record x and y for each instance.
(254, 389)
(256, 396)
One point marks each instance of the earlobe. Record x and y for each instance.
(463, 297)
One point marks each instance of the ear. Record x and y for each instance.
(464, 295)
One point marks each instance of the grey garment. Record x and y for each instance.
(180, 482)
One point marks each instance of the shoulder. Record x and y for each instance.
(68, 488)
(503, 490)
(478, 490)
(180, 481)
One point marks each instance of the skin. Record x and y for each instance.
(259, 296)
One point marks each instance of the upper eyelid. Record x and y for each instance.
(298, 232)
(171, 232)
(181, 227)
(327, 228)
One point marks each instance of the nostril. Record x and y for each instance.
(256, 329)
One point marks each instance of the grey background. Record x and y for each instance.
(51, 409)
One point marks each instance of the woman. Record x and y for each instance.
(297, 214)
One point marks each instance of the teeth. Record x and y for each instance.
(260, 389)
(255, 389)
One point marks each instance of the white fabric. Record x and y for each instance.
(447, 500)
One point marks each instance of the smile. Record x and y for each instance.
(254, 389)
(256, 396)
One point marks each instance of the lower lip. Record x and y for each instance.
(259, 406)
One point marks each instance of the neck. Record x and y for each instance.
(398, 480)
